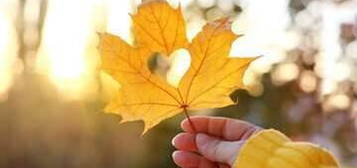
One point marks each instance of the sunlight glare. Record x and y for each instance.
(68, 44)
(269, 38)
(119, 20)
(8, 47)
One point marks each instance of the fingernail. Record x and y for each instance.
(173, 141)
(175, 153)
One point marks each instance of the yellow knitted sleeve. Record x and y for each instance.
(272, 149)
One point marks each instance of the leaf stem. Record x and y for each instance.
(189, 120)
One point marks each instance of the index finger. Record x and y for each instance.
(229, 129)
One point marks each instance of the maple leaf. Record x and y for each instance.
(159, 28)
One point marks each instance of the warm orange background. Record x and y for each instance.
(52, 92)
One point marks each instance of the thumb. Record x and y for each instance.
(218, 150)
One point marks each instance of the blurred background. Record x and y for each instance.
(52, 93)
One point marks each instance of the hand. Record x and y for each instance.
(215, 144)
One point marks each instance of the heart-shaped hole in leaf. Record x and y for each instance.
(170, 68)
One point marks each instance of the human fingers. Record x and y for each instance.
(217, 150)
(191, 160)
(185, 141)
(225, 128)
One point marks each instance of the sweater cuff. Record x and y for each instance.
(272, 149)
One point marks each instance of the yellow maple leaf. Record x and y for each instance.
(159, 28)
